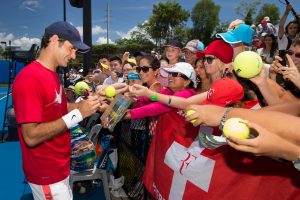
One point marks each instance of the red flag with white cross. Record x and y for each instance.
(178, 167)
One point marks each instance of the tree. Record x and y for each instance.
(1, 51)
(270, 10)
(222, 27)
(249, 18)
(205, 17)
(138, 42)
(250, 9)
(166, 18)
(247, 9)
(103, 49)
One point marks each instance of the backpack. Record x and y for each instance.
(83, 151)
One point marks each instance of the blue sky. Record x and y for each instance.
(23, 21)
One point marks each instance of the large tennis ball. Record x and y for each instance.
(236, 127)
(190, 112)
(80, 87)
(110, 91)
(247, 64)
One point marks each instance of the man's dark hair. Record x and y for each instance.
(113, 58)
(104, 56)
(45, 41)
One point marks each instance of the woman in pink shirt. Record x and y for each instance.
(181, 83)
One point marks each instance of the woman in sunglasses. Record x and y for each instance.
(181, 82)
(149, 72)
(215, 57)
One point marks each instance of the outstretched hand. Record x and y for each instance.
(265, 143)
(205, 114)
(139, 90)
(291, 73)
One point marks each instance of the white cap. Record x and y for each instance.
(184, 68)
(267, 18)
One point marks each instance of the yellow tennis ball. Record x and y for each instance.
(247, 64)
(190, 112)
(110, 91)
(104, 66)
(236, 127)
(80, 87)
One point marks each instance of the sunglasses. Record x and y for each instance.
(145, 69)
(290, 52)
(208, 59)
(177, 74)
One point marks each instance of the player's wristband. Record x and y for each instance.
(72, 118)
(154, 97)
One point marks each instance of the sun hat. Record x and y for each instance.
(184, 68)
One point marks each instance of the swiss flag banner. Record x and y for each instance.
(178, 167)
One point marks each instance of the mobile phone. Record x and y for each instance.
(283, 56)
(120, 74)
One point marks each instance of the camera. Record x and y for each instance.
(283, 56)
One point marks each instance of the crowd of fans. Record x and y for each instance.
(194, 77)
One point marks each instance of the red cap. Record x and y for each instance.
(224, 92)
(263, 21)
(220, 49)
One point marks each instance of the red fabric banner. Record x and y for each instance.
(178, 167)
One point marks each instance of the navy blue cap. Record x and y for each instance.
(139, 53)
(174, 44)
(66, 31)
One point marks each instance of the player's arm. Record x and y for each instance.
(36, 133)
(72, 106)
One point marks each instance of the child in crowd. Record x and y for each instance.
(137, 126)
